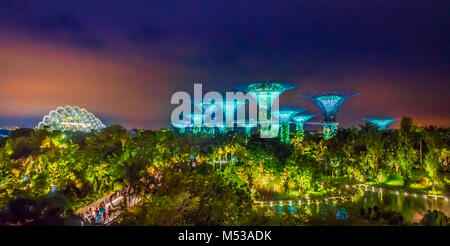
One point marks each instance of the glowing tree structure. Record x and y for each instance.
(381, 123)
(265, 93)
(70, 118)
(205, 127)
(196, 118)
(284, 116)
(299, 120)
(182, 125)
(330, 102)
(228, 108)
(248, 128)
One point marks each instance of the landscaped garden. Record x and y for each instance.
(226, 179)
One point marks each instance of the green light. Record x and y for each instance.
(265, 93)
(182, 125)
(248, 128)
(209, 130)
(299, 132)
(223, 129)
(330, 130)
(284, 115)
(265, 101)
(197, 118)
(284, 133)
(299, 120)
(229, 109)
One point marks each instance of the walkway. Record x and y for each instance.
(105, 210)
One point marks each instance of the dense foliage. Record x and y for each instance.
(213, 179)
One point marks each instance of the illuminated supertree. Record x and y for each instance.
(381, 123)
(330, 102)
(210, 128)
(228, 108)
(248, 128)
(265, 93)
(284, 116)
(204, 126)
(299, 120)
(196, 118)
(181, 125)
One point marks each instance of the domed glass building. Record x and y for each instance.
(70, 118)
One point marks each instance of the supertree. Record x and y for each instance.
(299, 120)
(196, 118)
(381, 123)
(330, 102)
(228, 108)
(181, 125)
(265, 93)
(204, 127)
(284, 116)
(248, 128)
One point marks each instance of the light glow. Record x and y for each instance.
(381, 123)
(70, 118)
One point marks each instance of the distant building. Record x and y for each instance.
(70, 118)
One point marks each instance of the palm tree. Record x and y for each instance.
(134, 177)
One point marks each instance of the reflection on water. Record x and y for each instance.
(411, 206)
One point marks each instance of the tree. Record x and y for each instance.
(406, 125)
(45, 211)
(432, 160)
(374, 146)
(434, 218)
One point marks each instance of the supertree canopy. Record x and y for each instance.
(302, 118)
(299, 120)
(228, 108)
(381, 123)
(70, 118)
(265, 93)
(284, 115)
(330, 102)
(198, 117)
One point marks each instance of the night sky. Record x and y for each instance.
(122, 60)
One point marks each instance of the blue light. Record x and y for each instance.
(329, 102)
(292, 208)
(53, 189)
(342, 214)
(381, 123)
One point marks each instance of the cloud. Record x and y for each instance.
(37, 77)
(123, 61)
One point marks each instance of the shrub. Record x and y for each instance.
(434, 218)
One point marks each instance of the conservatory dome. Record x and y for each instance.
(70, 118)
